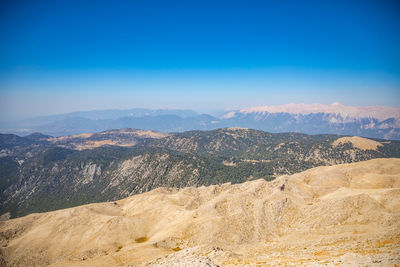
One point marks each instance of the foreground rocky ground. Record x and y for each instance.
(338, 215)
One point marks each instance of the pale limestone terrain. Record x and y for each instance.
(346, 215)
(358, 142)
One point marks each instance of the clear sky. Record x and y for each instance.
(61, 56)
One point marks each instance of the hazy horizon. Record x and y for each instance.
(212, 112)
(66, 56)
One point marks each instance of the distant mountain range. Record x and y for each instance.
(375, 122)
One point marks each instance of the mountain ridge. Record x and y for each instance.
(42, 175)
(378, 112)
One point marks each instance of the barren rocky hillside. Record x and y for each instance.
(342, 215)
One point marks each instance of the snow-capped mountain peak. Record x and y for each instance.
(355, 112)
(336, 118)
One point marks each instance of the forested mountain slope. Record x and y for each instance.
(42, 173)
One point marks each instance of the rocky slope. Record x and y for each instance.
(41, 173)
(340, 215)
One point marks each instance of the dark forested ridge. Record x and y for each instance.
(41, 173)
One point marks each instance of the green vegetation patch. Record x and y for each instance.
(141, 239)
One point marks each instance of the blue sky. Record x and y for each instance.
(61, 56)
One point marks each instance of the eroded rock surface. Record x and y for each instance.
(343, 214)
